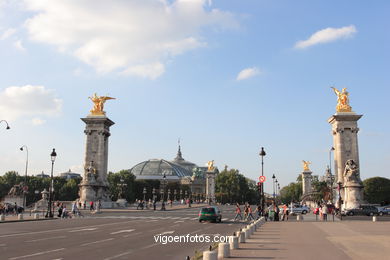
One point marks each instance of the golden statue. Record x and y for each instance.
(210, 166)
(98, 104)
(306, 165)
(342, 100)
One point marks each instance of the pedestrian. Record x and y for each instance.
(154, 204)
(250, 213)
(325, 212)
(91, 206)
(60, 208)
(238, 212)
(163, 206)
(245, 211)
(85, 204)
(258, 210)
(64, 212)
(74, 208)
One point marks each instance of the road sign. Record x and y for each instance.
(262, 179)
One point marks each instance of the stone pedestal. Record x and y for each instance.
(345, 142)
(306, 182)
(94, 185)
(210, 186)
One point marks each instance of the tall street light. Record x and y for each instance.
(262, 154)
(276, 189)
(5, 121)
(330, 173)
(273, 186)
(50, 213)
(24, 147)
(163, 192)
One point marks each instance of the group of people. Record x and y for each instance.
(323, 210)
(272, 213)
(10, 209)
(247, 212)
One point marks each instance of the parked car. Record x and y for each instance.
(367, 210)
(384, 210)
(210, 214)
(300, 209)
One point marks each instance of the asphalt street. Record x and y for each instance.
(112, 235)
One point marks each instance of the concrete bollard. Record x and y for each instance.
(233, 241)
(2, 217)
(20, 216)
(247, 233)
(36, 216)
(242, 237)
(374, 219)
(223, 250)
(299, 217)
(210, 255)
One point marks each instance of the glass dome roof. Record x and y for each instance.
(155, 169)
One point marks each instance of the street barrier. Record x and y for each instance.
(210, 255)
(247, 233)
(242, 237)
(36, 216)
(374, 219)
(233, 241)
(2, 217)
(223, 250)
(20, 216)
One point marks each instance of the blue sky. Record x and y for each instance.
(174, 68)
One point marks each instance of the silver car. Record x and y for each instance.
(383, 210)
(300, 209)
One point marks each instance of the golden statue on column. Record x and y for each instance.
(342, 100)
(306, 166)
(98, 104)
(210, 166)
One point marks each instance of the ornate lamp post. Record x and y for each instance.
(163, 192)
(340, 200)
(262, 154)
(24, 147)
(330, 173)
(276, 189)
(181, 194)
(169, 194)
(273, 186)
(185, 194)
(123, 185)
(5, 121)
(154, 194)
(174, 194)
(49, 213)
(144, 192)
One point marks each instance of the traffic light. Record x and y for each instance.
(259, 187)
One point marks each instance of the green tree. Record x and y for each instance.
(377, 190)
(291, 192)
(114, 180)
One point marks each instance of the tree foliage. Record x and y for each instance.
(231, 186)
(377, 190)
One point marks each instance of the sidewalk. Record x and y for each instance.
(158, 207)
(317, 240)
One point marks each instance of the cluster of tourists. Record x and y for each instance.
(248, 212)
(272, 212)
(10, 209)
(323, 210)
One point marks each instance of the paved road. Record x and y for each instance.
(110, 235)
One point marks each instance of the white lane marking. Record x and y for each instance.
(230, 224)
(224, 219)
(42, 239)
(194, 218)
(84, 229)
(133, 234)
(2, 244)
(62, 229)
(178, 221)
(167, 232)
(36, 254)
(153, 220)
(122, 231)
(95, 242)
(122, 254)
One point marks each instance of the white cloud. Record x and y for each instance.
(7, 33)
(38, 121)
(18, 45)
(327, 35)
(28, 101)
(248, 73)
(131, 37)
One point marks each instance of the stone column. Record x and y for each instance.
(306, 182)
(345, 142)
(210, 186)
(94, 185)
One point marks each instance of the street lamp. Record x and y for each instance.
(6, 123)
(273, 186)
(169, 195)
(276, 188)
(262, 154)
(340, 200)
(163, 192)
(25, 175)
(154, 194)
(144, 192)
(50, 212)
(174, 194)
(330, 173)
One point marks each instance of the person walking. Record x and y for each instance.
(154, 204)
(245, 211)
(277, 211)
(91, 206)
(250, 213)
(325, 212)
(238, 212)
